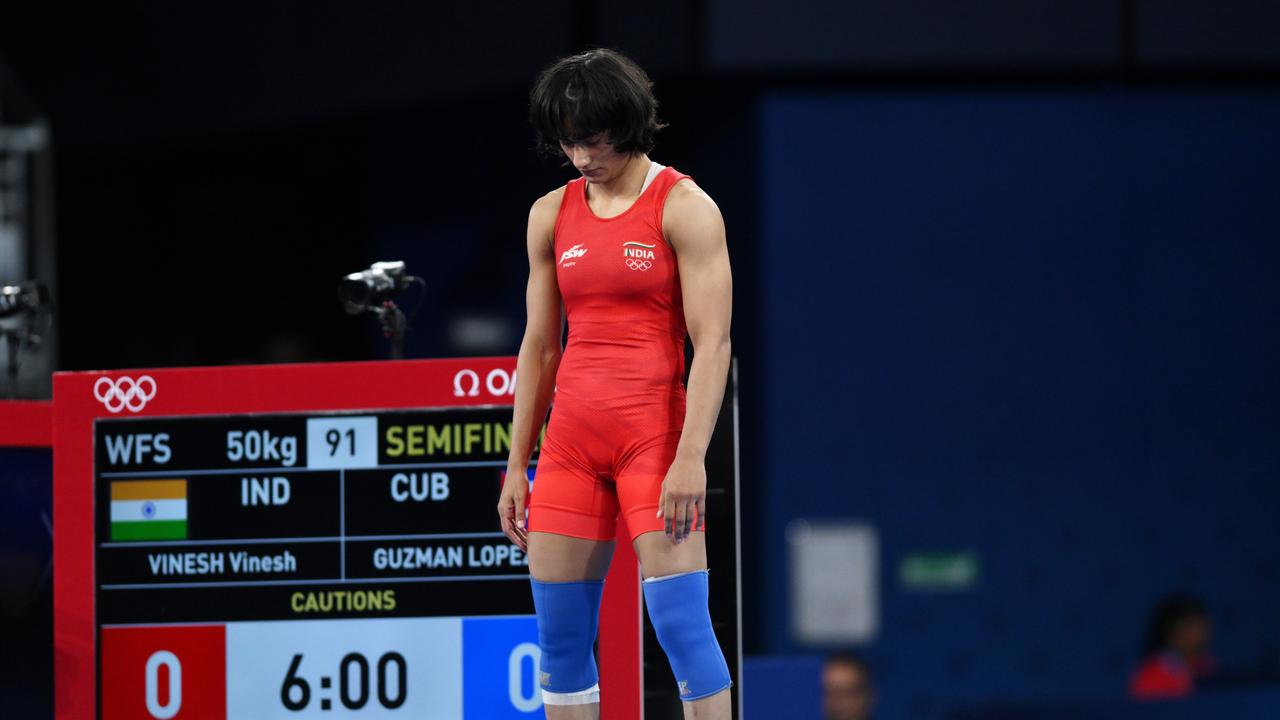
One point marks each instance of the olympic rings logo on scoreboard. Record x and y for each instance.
(499, 382)
(124, 392)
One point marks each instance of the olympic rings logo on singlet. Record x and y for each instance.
(638, 255)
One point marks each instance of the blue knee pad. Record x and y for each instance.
(568, 617)
(678, 610)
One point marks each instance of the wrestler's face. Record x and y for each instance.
(595, 157)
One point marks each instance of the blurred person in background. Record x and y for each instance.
(1176, 650)
(847, 693)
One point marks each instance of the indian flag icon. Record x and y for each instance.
(149, 510)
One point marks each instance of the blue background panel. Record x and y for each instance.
(1038, 326)
(487, 644)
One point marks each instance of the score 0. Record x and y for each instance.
(342, 442)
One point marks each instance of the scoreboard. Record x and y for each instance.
(321, 541)
(335, 561)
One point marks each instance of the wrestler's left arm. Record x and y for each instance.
(695, 228)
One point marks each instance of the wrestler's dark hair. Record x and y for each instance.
(596, 91)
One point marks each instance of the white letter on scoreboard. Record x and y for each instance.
(439, 486)
(168, 659)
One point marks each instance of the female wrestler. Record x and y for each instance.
(633, 254)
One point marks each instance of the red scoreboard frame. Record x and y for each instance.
(79, 398)
(26, 423)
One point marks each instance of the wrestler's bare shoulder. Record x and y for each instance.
(690, 210)
(686, 195)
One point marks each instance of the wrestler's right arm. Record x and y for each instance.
(540, 353)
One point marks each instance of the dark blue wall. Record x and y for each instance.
(1036, 325)
(26, 583)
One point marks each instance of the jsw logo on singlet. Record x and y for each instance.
(573, 252)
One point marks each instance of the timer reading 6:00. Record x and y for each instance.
(353, 692)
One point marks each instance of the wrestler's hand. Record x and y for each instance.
(511, 504)
(683, 490)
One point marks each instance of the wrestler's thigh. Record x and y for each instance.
(567, 498)
(639, 485)
(563, 558)
(572, 521)
(659, 556)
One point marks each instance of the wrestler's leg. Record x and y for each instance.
(676, 582)
(572, 520)
(675, 590)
